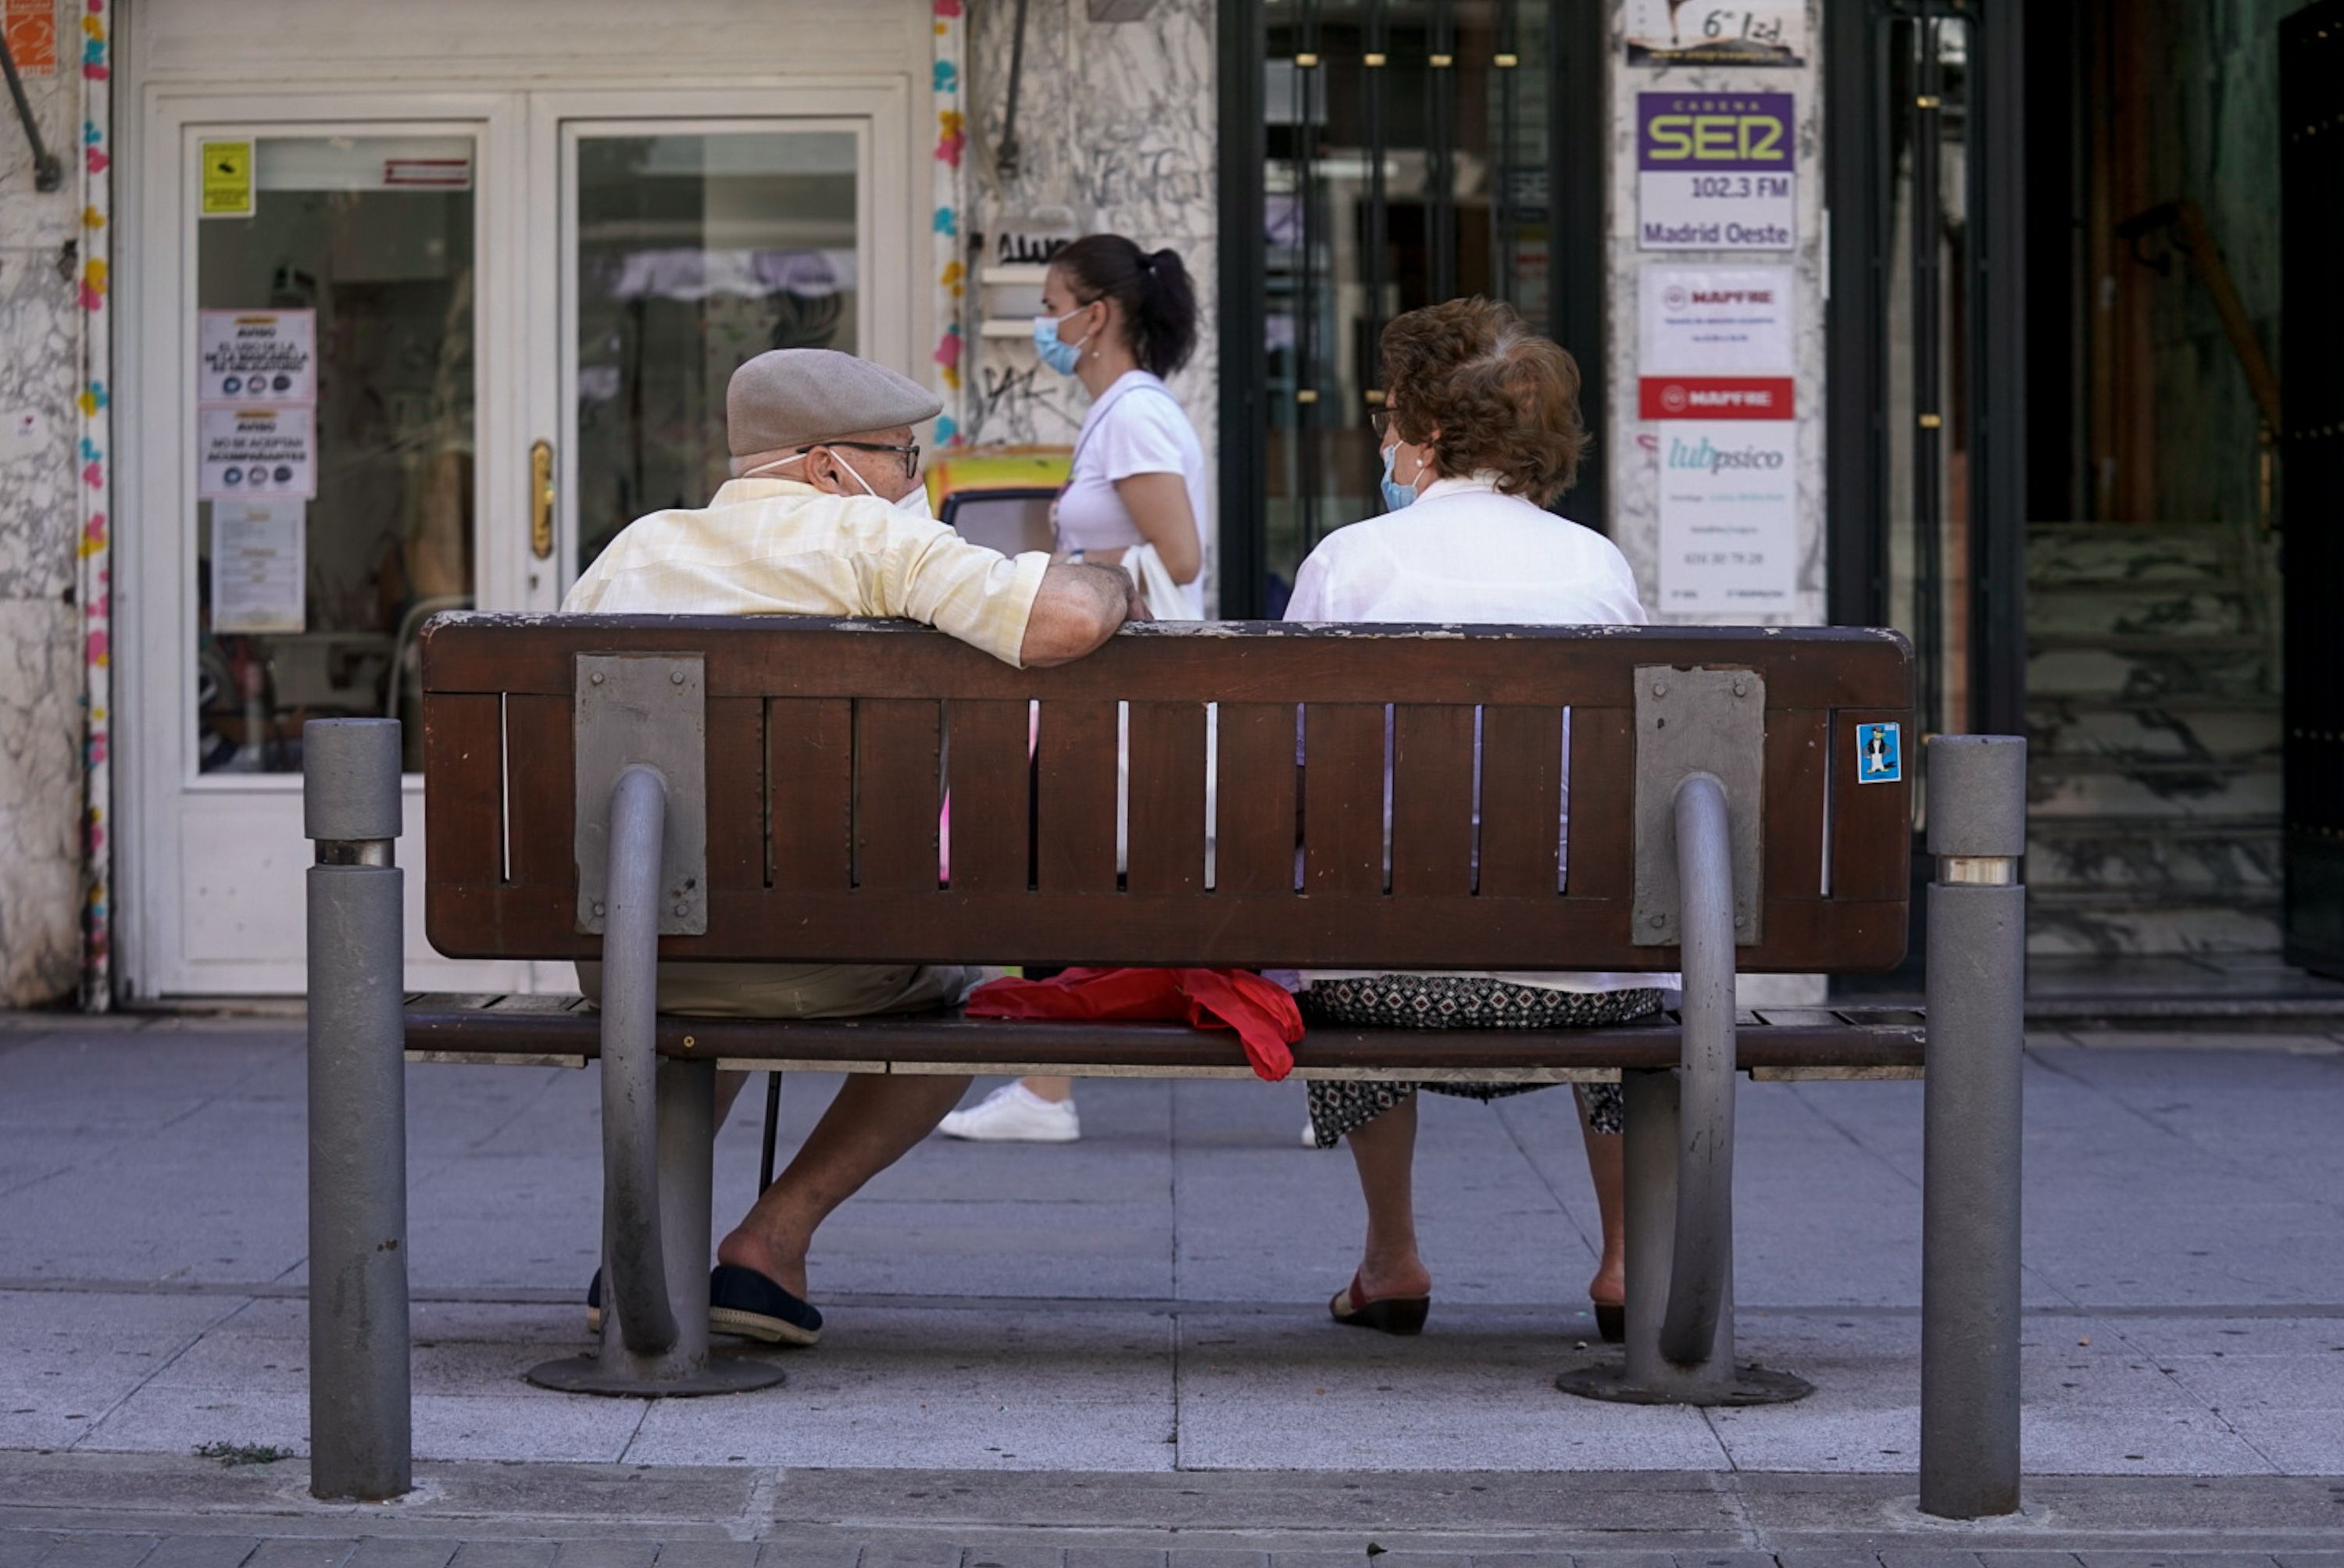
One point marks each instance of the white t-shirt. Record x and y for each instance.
(1463, 553)
(1136, 426)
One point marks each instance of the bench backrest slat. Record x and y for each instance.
(830, 746)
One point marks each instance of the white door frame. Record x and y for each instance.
(524, 369)
(154, 565)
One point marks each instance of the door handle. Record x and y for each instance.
(541, 498)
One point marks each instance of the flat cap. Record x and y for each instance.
(797, 396)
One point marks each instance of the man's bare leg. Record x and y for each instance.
(874, 1122)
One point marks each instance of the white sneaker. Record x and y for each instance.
(1015, 1114)
(1309, 1136)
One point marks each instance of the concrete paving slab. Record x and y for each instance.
(2296, 1442)
(101, 1552)
(2237, 1384)
(504, 1554)
(397, 1552)
(85, 1336)
(321, 1552)
(606, 1555)
(2244, 1336)
(917, 1436)
(1309, 1394)
(503, 1425)
(2177, 1560)
(709, 1555)
(1020, 1249)
(187, 1551)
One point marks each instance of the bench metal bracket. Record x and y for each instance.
(649, 709)
(1698, 722)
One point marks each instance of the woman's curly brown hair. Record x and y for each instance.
(1504, 400)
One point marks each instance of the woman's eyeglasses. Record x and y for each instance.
(1380, 421)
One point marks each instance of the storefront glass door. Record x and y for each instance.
(692, 246)
(401, 364)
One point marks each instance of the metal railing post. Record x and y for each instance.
(360, 1415)
(657, 1133)
(1680, 1157)
(1694, 1331)
(634, 1274)
(1973, 1127)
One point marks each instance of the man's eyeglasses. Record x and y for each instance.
(910, 454)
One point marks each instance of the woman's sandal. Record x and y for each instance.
(1392, 1315)
(1610, 1321)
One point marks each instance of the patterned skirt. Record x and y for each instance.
(1456, 1002)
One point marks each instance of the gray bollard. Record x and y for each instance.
(1971, 1195)
(361, 1434)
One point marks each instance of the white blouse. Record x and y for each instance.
(1465, 554)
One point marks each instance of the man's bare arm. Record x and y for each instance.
(1078, 608)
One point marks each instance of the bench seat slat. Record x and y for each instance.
(810, 766)
(1600, 859)
(897, 767)
(737, 851)
(1167, 797)
(542, 850)
(1816, 667)
(1073, 799)
(1278, 928)
(992, 779)
(467, 734)
(1343, 798)
(1433, 800)
(950, 1038)
(1522, 801)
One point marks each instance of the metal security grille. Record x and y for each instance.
(1385, 155)
(2311, 101)
(1926, 370)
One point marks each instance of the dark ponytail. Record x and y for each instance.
(1151, 289)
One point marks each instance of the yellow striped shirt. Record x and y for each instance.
(777, 547)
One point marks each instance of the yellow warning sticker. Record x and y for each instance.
(226, 179)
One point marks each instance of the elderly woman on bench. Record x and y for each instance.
(1479, 432)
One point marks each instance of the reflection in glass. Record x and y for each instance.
(375, 234)
(695, 252)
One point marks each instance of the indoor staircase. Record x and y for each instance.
(2153, 709)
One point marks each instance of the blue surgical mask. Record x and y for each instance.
(1396, 494)
(1059, 355)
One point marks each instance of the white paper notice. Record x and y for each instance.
(260, 565)
(254, 357)
(1728, 524)
(1715, 320)
(262, 452)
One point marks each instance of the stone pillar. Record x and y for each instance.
(41, 684)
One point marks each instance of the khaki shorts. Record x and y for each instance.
(801, 990)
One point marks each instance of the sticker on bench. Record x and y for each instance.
(1879, 754)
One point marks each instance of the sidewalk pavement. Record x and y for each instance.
(1138, 1319)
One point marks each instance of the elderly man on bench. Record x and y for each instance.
(827, 515)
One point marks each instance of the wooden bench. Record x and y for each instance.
(767, 789)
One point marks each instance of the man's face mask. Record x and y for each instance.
(912, 503)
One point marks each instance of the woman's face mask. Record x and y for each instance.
(1396, 494)
(1056, 353)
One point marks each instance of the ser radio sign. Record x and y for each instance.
(1716, 171)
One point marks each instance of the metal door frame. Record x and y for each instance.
(1576, 267)
(1856, 113)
